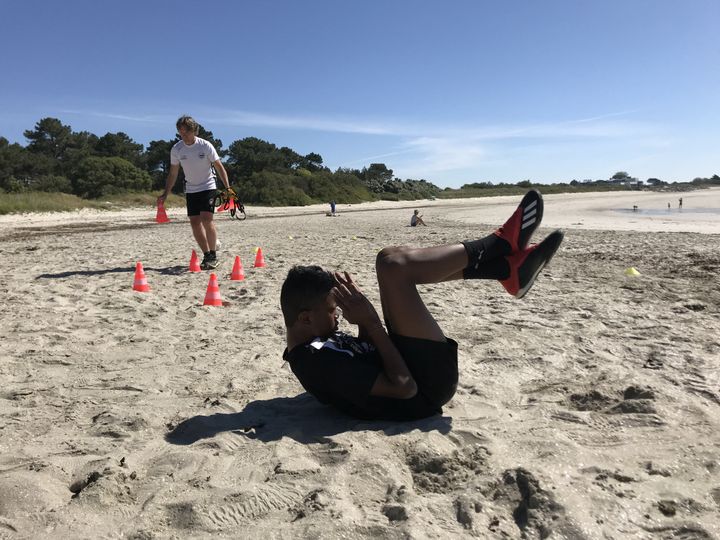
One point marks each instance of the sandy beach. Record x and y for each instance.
(590, 409)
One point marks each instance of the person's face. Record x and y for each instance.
(324, 317)
(186, 135)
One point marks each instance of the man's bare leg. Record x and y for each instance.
(399, 270)
(209, 229)
(199, 233)
(503, 256)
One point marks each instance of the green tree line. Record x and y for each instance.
(58, 159)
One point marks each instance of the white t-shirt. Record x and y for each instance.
(195, 161)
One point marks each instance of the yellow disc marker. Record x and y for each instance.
(632, 271)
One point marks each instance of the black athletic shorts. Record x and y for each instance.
(202, 201)
(434, 366)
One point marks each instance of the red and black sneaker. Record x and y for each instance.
(522, 224)
(525, 265)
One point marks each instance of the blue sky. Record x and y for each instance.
(451, 91)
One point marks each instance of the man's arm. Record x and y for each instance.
(222, 173)
(169, 183)
(395, 381)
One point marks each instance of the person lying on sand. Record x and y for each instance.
(408, 371)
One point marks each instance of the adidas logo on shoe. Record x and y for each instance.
(522, 224)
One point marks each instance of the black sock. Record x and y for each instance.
(493, 269)
(486, 258)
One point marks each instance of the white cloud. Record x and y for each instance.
(597, 126)
(442, 151)
(154, 119)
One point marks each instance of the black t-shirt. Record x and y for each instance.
(341, 371)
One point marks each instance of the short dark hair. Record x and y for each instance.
(303, 289)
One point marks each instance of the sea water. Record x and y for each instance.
(674, 212)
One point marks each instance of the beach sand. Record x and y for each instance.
(590, 409)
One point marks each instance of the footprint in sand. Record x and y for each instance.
(395, 507)
(609, 415)
(613, 482)
(535, 511)
(28, 493)
(697, 383)
(636, 399)
(590, 401)
(332, 453)
(679, 532)
(315, 501)
(108, 424)
(236, 509)
(437, 473)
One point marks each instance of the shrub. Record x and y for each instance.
(51, 183)
(99, 176)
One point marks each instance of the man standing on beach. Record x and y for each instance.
(197, 158)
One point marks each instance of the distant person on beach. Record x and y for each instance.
(197, 157)
(668, 206)
(417, 219)
(332, 207)
(680, 203)
(406, 369)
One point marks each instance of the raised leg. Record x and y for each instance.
(399, 270)
(503, 255)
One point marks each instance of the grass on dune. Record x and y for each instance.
(38, 201)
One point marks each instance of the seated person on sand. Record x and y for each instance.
(417, 219)
(408, 371)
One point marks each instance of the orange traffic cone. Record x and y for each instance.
(161, 216)
(259, 259)
(227, 206)
(194, 263)
(212, 296)
(140, 284)
(238, 274)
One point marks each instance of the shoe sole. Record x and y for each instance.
(537, 260)
(532, 216)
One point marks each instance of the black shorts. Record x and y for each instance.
(434, 366)
(203, 201)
